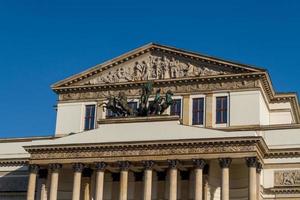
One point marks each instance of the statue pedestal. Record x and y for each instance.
(138, 119)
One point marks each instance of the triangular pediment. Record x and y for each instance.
(155, 62)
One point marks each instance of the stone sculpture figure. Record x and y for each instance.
(123, 104)
(119, 104)
(167, 101)
(155, 106)
(146, 92)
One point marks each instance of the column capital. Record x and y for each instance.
(34, 168)
(148, 164)
(251, 161)
(173, 164)
(100, 166)
(199, 163)
(55, 167)
(225, 162)
(258, 167)
(78, 167)
(124, 165)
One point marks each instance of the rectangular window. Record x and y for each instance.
(221, 110)
(89, 121)
(176, 107)
(198, 111)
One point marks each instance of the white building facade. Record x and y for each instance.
(227, 135)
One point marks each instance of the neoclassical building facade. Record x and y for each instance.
(226, 135)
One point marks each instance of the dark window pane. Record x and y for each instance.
(224, 117)
(221, 110)
(198, 111)
(176, 108)
(89, 122)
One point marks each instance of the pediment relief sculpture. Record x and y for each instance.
(154, 68)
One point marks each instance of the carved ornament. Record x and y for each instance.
(154, 68)
(285, 178)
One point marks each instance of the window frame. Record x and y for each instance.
(196, 96)
(85, 117)
(215, 96)
(181, 106)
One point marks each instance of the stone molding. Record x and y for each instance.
(225, 162)
(114, 152)
(180, 86)
(13, 162)
(199, 163)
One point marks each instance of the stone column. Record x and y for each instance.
(54, 170)
(199, 165)
(148, 179)
(173, 164)
(225, 164)
(124, 165)
(77, 167)
(252, 163)
(258, 171)
(100, 167)
(33, 170)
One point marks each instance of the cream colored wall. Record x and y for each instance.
(70, 117)
(282, 117)
(245, 108)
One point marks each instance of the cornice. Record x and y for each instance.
(283, 153)
(125, 85)
(181, 149)
(206, 141)
(283, 190)
(259, 127)
(13, 162)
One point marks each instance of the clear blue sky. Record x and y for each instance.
(44, 41)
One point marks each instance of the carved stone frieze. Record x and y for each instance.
(284, 178)
(140, 151)
(155, 67)
(190, 87)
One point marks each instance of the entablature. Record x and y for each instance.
(156, 150)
